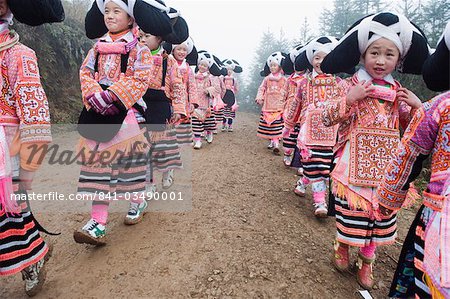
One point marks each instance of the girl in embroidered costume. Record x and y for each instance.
(186, 55)
(24, 124)
(229, 98)
(369, 111)
(166, 105)
(271, 95)
(203, 117)
(290, 136)
(217, 105)
(423, 269)
(315, 141)
(114, 77)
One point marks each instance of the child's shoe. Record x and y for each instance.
(167, 179)
(230, 129)
(270, 146)
(365, 269)
(215, 132)
(209, 137)
(135, 212)
(300, 189)
(276, 149)
(197, 144)
(321, 210)
(224, 128)
(92, 233)
(287, 160)
(341, 258)
(34, 277)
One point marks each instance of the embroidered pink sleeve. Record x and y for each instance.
(191, 85)
(174, 87)
(337, 111)
(419, 139)
(89, 85)
(260, 96)
(294, 107)
(31, 102)
(134, 83)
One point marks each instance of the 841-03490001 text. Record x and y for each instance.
(57, 196)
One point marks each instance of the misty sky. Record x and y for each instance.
(233, 29)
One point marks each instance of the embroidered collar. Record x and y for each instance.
(275, 77)
(362, 74)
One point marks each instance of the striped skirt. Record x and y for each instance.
(409, 277)
(272, 131)
(219, 115)
(357, 228)
(20, 243)
(318, 166)
(290, 142)
(184, 132)
(198, 127)
(228, 113)
(165, 153)
(125, 176)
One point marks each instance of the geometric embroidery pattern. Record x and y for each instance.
(371, 150)
(316, 132)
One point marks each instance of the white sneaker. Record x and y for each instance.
(224, 128)
(215, 132)
(230, 129)
(300, 189)
(321, 210)
(300, 171)
(209, 137)
(270, 146)
(287, 160)
(167, 180)
(91, 233)
(135, 212)
(197, 144)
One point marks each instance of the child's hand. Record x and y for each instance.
(408, 97)
(359, 92)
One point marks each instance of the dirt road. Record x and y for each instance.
(247, 236)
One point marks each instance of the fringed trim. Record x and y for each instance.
(435, 293)
(156, 136)
(355, 201)
(412, 196)
(137, 145)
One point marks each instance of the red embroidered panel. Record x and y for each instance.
(371, 150)
(316, 132)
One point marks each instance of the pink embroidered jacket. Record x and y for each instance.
(231, 84)
(219, 89)
(131, 86)
(427, 134)
(291, 90)
(23, 104)
(367, 113)
(311, 92)
(174, 87)
(271, 93)
(189, 84)
(206, 89)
